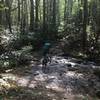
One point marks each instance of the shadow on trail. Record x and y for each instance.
(61, 77)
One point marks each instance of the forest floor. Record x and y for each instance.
(64, 79)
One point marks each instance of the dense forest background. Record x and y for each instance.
(31, 22)
(73, 29)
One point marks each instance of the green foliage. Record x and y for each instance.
(63, 19)
(2, 7)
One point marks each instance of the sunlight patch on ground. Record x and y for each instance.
(32, 84)
(3, 84)
(9, 76)
(53, 76)
(73, 74)
(52, 81)
(22, 81)
(27, 81)
(7, 81)
(59, 59)
(53, 86)
(40, 77)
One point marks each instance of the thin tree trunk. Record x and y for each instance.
(85, 19)
(37, 14)
(8, 14)
(32, 16)
(18, 12)
(44, 16)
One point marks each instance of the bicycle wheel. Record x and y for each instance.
(44, 64)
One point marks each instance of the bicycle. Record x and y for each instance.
(46, 59)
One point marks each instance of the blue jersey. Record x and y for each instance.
(46, 48)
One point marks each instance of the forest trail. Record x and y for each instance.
(64, 79)
(71, 28)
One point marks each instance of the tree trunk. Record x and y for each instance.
(36, 14)
(44, 16)
(85, 19)
(18, 12)
(32, 16)
(8, 14)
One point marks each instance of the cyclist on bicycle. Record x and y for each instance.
(46, 49)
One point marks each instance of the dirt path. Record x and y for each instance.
(64, 79)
